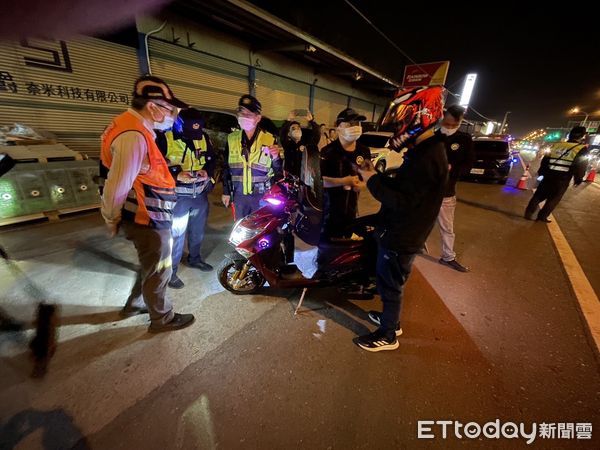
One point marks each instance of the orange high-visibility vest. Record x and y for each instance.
(152, 198)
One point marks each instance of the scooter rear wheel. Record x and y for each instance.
(251, 283)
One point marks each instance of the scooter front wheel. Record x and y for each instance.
(240, 281)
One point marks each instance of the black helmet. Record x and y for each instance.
(577, 133)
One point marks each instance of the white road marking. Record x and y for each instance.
(587, 298)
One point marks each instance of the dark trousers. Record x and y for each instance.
(154, 252)
(393, 270)
(246, 204)
(550, 189)
(189, 219)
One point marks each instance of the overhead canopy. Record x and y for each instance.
(266, 32)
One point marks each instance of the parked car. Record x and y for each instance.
(493, 159)
(383, 158)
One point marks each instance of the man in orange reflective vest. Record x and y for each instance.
(139, 197)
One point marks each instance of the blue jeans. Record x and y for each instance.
(393, 270)
(189, 219)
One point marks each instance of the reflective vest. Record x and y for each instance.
(562, 155)
(176, 148)
(152, 198)
(245, 174)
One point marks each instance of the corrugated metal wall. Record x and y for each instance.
(279, 95)
(328, 105)
(202, 80)
(70, 88)
(74, 88)
(362, 107)
(379, 110)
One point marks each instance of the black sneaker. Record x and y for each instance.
(376, 342)
(179, 321)
(543, 219)
(130, 311)
(176, 282)
(201, 265)
(454, 264)
(375, 317)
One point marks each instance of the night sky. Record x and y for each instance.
(536, 63)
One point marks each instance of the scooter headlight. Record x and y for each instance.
(240, 233)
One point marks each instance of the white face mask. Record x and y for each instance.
(350, 134)
(246, 123)
(448, 131)
(296, 134)
(166, 124)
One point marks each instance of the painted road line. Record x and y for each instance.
(587, 298)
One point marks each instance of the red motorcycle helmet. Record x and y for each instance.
(412, 112)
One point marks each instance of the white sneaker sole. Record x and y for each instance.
(393, 346)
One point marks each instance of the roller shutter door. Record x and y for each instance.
(363, 107)
(70, 88)
(328, 105)
(204, 81)
(279, 95)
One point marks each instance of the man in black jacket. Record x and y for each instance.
(410, 203)
(461, 155)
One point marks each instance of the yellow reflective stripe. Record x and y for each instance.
(236, 160)
(176, 148)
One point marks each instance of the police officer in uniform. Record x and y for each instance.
(192, 160)
(252, 160)
(566, 160)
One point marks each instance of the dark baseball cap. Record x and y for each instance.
(153, 88)
(349, 115)
(250, 103)
(192, 123)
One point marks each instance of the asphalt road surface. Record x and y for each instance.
(506, 341)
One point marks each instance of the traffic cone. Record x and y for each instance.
(591, 176)
(523, 181)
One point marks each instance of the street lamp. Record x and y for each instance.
(576, 110)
